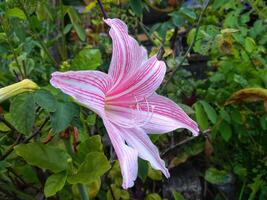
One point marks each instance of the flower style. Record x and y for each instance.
(125, 99)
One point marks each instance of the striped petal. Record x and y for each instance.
(167, 116)
(127, 55)
(86, 87)
(127, 156)
(140, 84)
(156, 114)
(139, 140)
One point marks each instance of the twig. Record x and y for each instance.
(2, 119)
(102, 9)
(201, 134)
(188, 50)
(11, 148)
(36, 132)
(26, 140)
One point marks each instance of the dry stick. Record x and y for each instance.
(2, 119)
(188, 50)
(204, 133)
(102, 9)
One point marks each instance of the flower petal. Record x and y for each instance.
(141, 84)
(139, 140)
(86, 87)
(168, 116)
(127, 156)
(156, 114)
(127, 55)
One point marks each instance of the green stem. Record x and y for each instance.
(81, 187)
(64, 47)
(242, 191)
(83, 192)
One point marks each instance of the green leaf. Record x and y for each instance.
(211, 113)
(16, 12)
(225, 115)
(153, 196)
(45, 100)
(154, 174)
(142, 169)
(136, 6)
(225, 130)
(75, 20)
(55, 183)
(80, 31)
(216, 176)
(201, 116)
(43, 156)
(177, 196)
(23, 113)
(189, 14)
(93, 144)
(67, 28)
(87, 59)
(250, 44)
(63, 116)
(94, 166)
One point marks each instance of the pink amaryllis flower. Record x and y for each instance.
(126, 100)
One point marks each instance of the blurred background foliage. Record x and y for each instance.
(51, 148)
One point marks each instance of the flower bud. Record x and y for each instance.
(17, 88)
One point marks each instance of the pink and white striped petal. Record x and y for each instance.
(127, 156)
(86, 87)
(156, 114)
(140, 84)
(127, 54)
(139, 140)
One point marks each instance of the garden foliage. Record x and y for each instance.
(215, 51)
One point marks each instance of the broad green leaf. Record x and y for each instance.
(16, 12)
(94, 166)
(153, 196)
(87, 59)
(201, 116)
(43, 156)
(93, 144)
(63, 116)
(216, 176)
(142, 169)
(211, 113)
(137, 6)
(46, 100)
(23, 113)
(177, 196)
(225, 130)
(55, 183)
